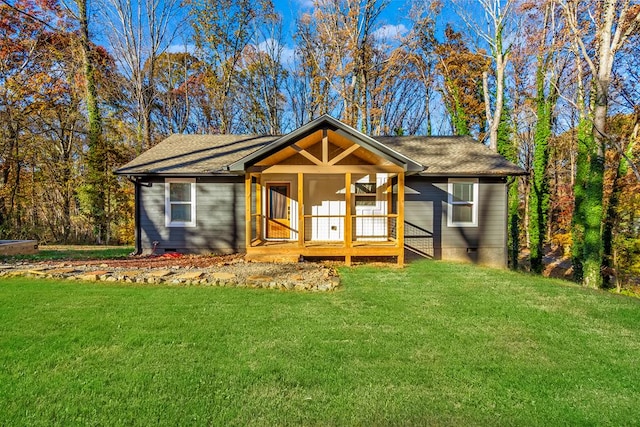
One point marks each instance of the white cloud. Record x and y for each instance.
(287, 54)
(390, 32)
(306, 4)
(181, 48)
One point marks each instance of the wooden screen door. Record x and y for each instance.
(278, 211)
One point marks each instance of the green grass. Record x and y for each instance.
(432, 344)
(74, 253)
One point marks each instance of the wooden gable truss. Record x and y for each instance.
(337, 154)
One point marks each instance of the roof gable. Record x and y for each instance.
(326, 122)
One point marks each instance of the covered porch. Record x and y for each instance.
(325, 192)
(345, 215)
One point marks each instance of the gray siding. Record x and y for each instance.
(219, 218)
(220, 221)
(428, 235)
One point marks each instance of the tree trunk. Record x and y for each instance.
(95, 157)
(514, 224)
(539, 204)
(582, 204)
(494, 119)
(611, 219)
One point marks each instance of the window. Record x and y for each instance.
(365, 188)
(365, 194)
(180, 202)
(463, 203)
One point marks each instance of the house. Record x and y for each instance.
(323, 190)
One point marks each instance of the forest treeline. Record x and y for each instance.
(553, 85)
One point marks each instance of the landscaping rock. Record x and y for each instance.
(130, 274)
(223, 276)
(186, 271)
(160, 273)
(61, 271)
(194, 275)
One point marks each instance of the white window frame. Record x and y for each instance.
(474, 204)
(167, 202)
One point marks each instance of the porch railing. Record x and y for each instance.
(364, 228)
(373, 229)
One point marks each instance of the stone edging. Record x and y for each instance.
(316, 278)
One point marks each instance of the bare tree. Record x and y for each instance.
(139, 32)
(492, 30)
(222, 31)
(421, 42)
(338, 47)
(312, 92)
(262, 77)
(174, 77)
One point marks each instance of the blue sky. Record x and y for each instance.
(394, 14)
(393, 20)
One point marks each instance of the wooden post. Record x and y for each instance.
(325, 147)
(259, 207)
(400, 220)
(347, 218)
(300, 209)
(247, 208)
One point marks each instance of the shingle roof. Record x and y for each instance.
(209, 154)
(451, 155)
(194, 154)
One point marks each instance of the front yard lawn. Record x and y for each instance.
(432, 344)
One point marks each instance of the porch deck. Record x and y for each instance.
(287, 250)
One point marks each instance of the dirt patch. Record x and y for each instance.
(558, 266)
(166, 261)
(555, 264)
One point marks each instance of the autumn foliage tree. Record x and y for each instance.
(30, 91)
(607, 31)
(57, 175)
(461, 71)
